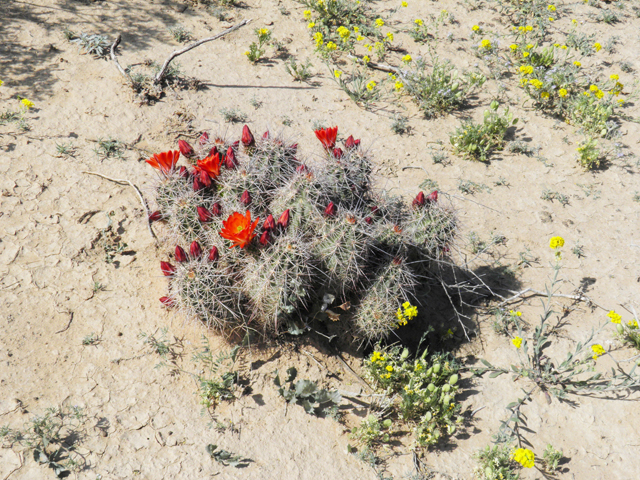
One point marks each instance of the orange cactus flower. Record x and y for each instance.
(239, 229)
(211, 165)
(165, 161)
(327, 136)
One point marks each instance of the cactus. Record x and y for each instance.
(431, 228)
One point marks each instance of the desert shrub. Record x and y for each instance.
(269, 235)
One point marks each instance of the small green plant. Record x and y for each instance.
(471, 188)
(477, 141)
(306, 393)
(217, 378)
(286, 121)
(608, 16)
(233, 115)
(226, 458)
(372, 431)
(550, 196)
(626, 67)
(550, 458)
(578, 250)
(108, 148)
(526, 258)
(301, 72)
(96, 45)
(68, 33)
(518, 146)
(400, 124)
(257, 49)
(65, 150)
(157, 343)
(589, 154)
(495, 463)
(504, 322)
(255, 103)
(627, 332)
(358, 86)
(180, 34)
(91, 339)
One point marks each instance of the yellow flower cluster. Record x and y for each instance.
(371, 85)
(377, 356)
(526, 28)
(26, 103)
(307, 14)
(556, 242)
(536, 83)
(597, 47)
(485, 44)
(379, 22)
(344, 33)
(633, 324)
(475, 28)
(410, 312)
(517, 341)
(398, 86)
(407, 58)
(319, 38)
(563, 92)
(524, 457)
(598, 351)
(263, 31)
(526, 69)
(615, 317)
(331, 46)
(418, 21)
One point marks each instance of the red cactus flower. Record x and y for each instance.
(167, 269)
(351, 143)
(165, 161)
(433, 197)
(181, 256)
(419, 200)
(247, 137)
(213, 254)
(204, 215)
(211, 165)
(369, 220)
(265, 238)
(155, 216)
(283, 221)
(269, 223)
(337, 153)
(167, 301)
(331, 209)
(327, 136)
(202, 175)
(204, 138)
(185, 149)
(184, 173)
(195, 250)
(230, 159)
(213, 151)
(239, 229)
(216, 209)
(245, 198)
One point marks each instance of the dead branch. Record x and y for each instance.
(115, 59)
(142, 201)
(177, 53)
(378, 66)
(531, 291)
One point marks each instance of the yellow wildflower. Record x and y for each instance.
(556, 242)
(475, 28)
(536, 83)
(563, 47)
(485, 44)
(594, 88)
(331, 46)
(614, 77)
(528, 28)
(517, 341)
(359, 38)
(418, 21)
(633, 324)
(530, 46)
(525, 54)
(1, 83)
(513, 47)
(318, 38)
(574, 21)
(337, 73)
(621, 101)
(26, 103)
(544, 95)
(524, 457)
(597, 47)
(390, 36)
(247, 52)
(343, 32)
(366, 59)
(379, 22)
(577, 63)
(356, 29)
(371, 85)
(311, 25)
(398, 86)
(615, 317)
(551, 19)
(563, 93)
(399, 314)
(263, 31)
(597, 351)
(407, 59)
(599, 94)
(307, 14)
(389, 368)
(551, 8)
(404, 4)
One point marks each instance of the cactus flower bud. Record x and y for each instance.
(265, 238)
(293, 149)
(265, 135)
(247, 137)
(302, 168)
(351, 143)
(331, 209)
(369, 220)
(204, 215)
(245, 198)
(337, 153)
(197, 184)
(204, 138)
(155, 216)
(230, 159)
(419, 200)
(167, 301)
(185, 149)
(397, 261)
(213, 151)
(216, 209)
(213, 254)
(184, 173)
(167, 269)
(181, 256)
(432, 197)
(269, 223)
(195, 250)
(374, 209)
(283, 221)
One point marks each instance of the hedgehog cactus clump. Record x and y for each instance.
(270, 235)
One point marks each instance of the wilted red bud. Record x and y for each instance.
(235, 145)
(337, 153)
(245, 198)
(283, 221)
(216, 209)
(181, 256)
(230, 159)
(195, 250)
(269, 223)
(167, 301)
(213, 151)
(293, 149)
(213, 254)
(396, 261)
(433, 197)
(247, 137)
(205, 179)
(330, 211)
(369, 220)
(265, 238)
(374, 209)
(184, 173)
(265, 135)
(351, 143)
(204, 138)
(419, 200)
(167, 269)
(197, 184)
(301, 168)
(204, 215)
(155, 216)
(185, 149)
(397, 229)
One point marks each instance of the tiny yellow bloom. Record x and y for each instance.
(475, 28)
(389, 368)
(614, 77)
(615, 317)
(524, 457)
(359, 38)
(404, 4)
(337, 73)
(597, 350)
(556, 242)
(551, 8)
(563, 47)
(398, 86)
(551, 19)
(562, 92)
(599, 94)
(366, 59)
(356, 29)
(407, 59)
(399, 314)
(263, 31)
(485, 44)
(597, 47)
(517, 341)
(27, 103)
(247, 52)
(418, 21)
(379, 22)
(1, 83)
(371, 85)
(390, 36)
(530, 46)
(528, 28)
(574, 21)
(544, 95)
(577, 63)
(307, 14)
(513, 47)
(331, 46)
(633, 324)
(311, 25)
(525, 54)
(621, 101)
(594, 88)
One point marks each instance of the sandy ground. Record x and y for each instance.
(55, 221)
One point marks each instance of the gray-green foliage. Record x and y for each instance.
(97, 45)
(306, 393)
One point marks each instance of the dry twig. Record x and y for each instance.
(115, 60)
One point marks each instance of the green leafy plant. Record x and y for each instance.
(372, 431)
(108, 147)
(306, 393)
(299, 71)
(257, 49)
(551, 458)
(96, 45)
(589, 154)
(217, 378)
(234, 115)
(358, 86)
(477, 141)
(495, 463)
(226, 458)
(180, 34)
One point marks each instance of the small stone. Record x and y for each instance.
(268, 22)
